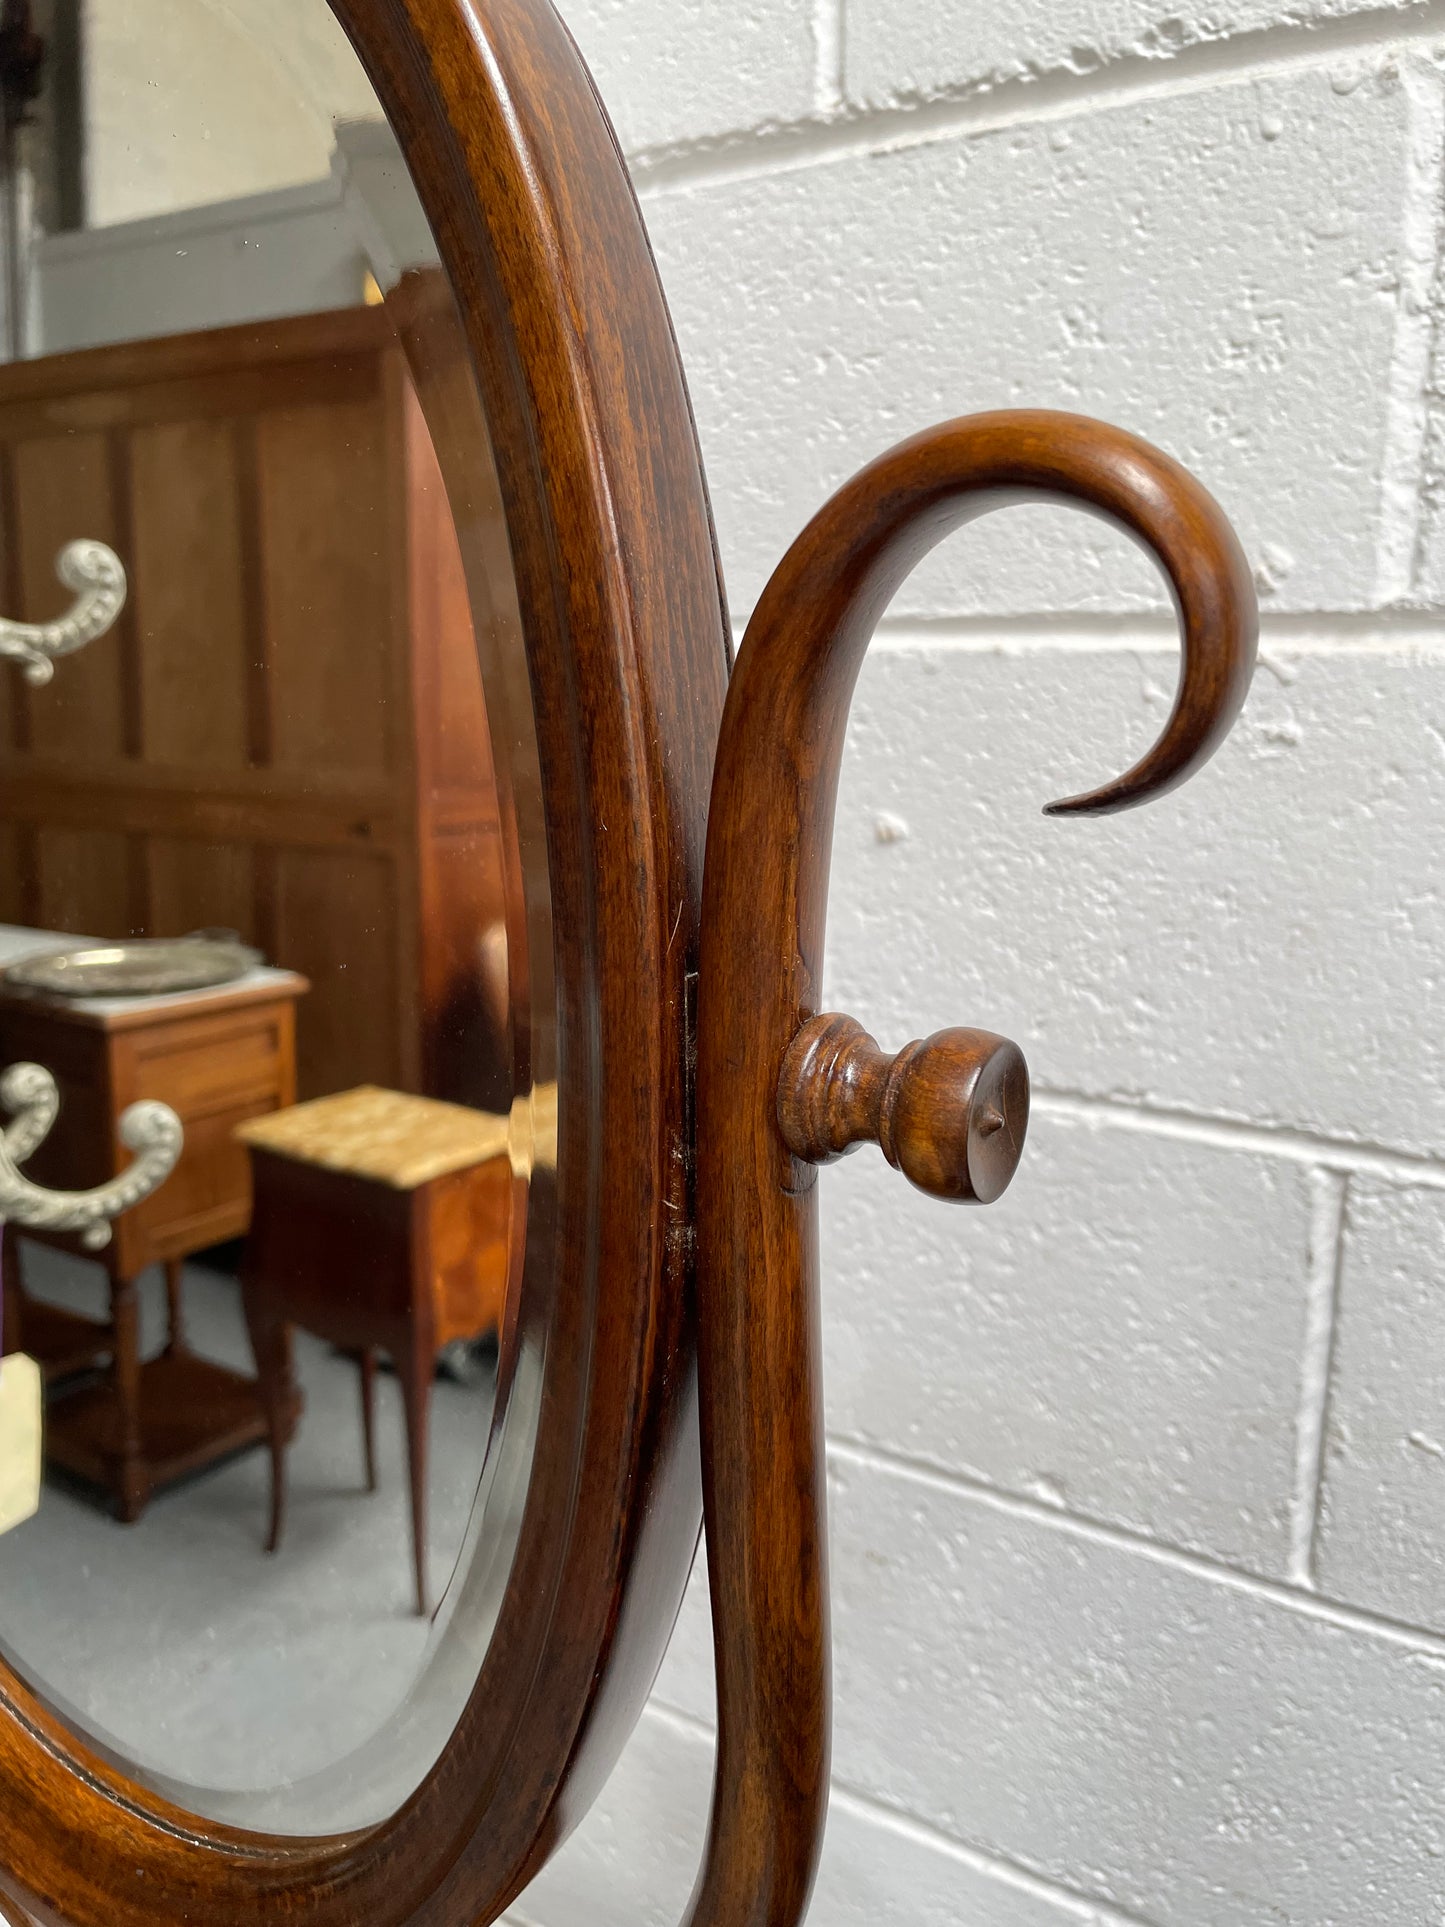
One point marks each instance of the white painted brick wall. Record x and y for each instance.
(1119, 1336)
(1138, 1479)
(679, 73)
(1384, 1491)
(1180, 267)
(1144, 1733)
(1266, 944)
(907, 51)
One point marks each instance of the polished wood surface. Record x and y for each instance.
(625, 632)
(286, 734)
(218, 1058)
(400, 1253)
(626, 645)
(135, 1433)
(768, 1102)
(949, 1112)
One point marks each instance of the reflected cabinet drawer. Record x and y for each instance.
(199, 1065)
(217, 1058)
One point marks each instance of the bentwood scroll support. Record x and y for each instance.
(781, 1088)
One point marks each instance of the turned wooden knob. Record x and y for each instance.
(949, 1112)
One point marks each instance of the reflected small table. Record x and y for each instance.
(381, 1223)
(217, 1057)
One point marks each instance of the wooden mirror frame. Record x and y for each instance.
(612, 545)
(626, 640)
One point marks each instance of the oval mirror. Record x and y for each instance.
(359, 687)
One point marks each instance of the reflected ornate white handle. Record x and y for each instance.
(151, 1130)
(97, 575)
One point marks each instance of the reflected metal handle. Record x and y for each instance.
(149, 1129)
(97, 576)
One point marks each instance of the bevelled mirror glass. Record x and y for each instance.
(281, 714)
(406, 1155)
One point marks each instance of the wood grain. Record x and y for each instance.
(196, 885)
(220, 1059)
(324, 534)
(764, 902)
(296, 666)
(625, 640)
(619, 600)
(949, 1111)
(65, 484)
(82, 881)
(186, 557)
(338, 911)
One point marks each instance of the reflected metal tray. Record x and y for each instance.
(139, 967)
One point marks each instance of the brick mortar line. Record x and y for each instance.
(1087, 1907)
(1329, 1205)
(984, 107)
(1391, 632)
(1160, 1552)
(829, 23)
(909, 1826)
(1406, 1168)
(1402, 526)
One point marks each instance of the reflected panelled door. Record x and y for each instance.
(292, 683)
(363, 369)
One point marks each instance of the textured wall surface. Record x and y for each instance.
(193, 101)
(1139, 1477)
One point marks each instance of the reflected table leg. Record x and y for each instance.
(416, 1365)
(131, 1475)
(175, 1306)
(271, 1344)
(12, 1292)
(367, 1362)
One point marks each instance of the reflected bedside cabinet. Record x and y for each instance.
(218, 1057)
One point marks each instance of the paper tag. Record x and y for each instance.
(22, 1406)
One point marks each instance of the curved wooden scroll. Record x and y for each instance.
(764, 901)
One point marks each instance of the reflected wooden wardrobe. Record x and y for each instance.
(285, 733)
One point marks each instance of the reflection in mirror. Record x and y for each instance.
(269, 854)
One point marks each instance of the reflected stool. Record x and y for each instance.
(380, 1222)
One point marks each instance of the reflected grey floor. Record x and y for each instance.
(178, 1640)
